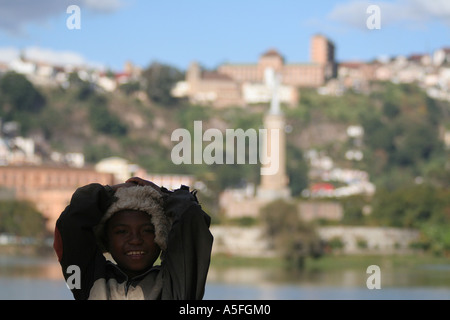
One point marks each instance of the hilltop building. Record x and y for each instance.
(312, 74)
(243, 84)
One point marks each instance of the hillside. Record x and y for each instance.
(403, 147)
(403, 130)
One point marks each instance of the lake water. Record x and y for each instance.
(34, 278)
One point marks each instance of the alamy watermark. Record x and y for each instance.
(74, 280)
(374, 280)
(231, 150)
(374, 20)
(74, 20)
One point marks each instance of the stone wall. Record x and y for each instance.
(251, 241)
(371, 239)
(241, 241)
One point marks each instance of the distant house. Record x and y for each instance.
(210, 87)
(48, 187)
(121, 168)
(22, 66)
(321, 189)
(441, 56)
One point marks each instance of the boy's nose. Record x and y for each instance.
(135, 237)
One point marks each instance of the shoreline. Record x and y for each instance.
(328, 262)
(26, 250)
(332, 262)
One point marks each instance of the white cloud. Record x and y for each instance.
(54, 57)
(353, 13)
(14, 15)
(8, 54)
(104, 6)
(50, 56)
(434, 8)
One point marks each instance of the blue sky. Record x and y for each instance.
(213, 31)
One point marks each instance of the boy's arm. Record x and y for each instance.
(74, 241)
(186, 262)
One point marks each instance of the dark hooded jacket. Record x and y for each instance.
(181, 275)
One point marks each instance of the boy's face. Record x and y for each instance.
(131, 241)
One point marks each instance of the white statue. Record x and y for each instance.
(272, 80)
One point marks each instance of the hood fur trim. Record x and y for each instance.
(145, 199)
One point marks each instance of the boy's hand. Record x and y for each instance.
(141, 182)
(174, 201)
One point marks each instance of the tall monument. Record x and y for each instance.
(274, 183)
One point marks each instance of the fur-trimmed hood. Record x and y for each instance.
(140, 198)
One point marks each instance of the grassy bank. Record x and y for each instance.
(324, 263)
(334, 262)
(26, 250)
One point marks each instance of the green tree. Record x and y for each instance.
(20, 101)
(412, 206)
(19, 94)
(297, 170)
(401, 132)
(21, 218)
(436, 238)
(354, 207)
(159, 80)
(84, 89)
(130, 87)
(424, 207)
(101, 118)
(293, 238)
(418, 142)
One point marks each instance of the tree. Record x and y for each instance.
(297, 170)
(419, 141)
(19, 94)
(84, 89)
(411, 206)
(102, 120)
(20, 101)
(21, 218)
(401, 132)
(130, 87)
(159, 80)
(354, 207)
(293, 238)
(436, 238)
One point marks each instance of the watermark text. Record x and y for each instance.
(233, 149)
(73, 22)
(374, 20)
(374, 280)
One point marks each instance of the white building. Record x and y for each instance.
(261, 93)
(121, 168)
(23, 67)
(168, 181)
(441, 56)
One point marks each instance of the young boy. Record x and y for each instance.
(136, 222)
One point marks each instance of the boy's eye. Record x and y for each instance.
(120, 231)
(149, 230)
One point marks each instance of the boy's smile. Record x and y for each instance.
(131, 241)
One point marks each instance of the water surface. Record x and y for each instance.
(40, 278)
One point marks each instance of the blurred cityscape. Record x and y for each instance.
(34, 169)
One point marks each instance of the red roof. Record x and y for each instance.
(322, 186)
(214, 75)
(271, 52)
(351, 64)
(122, 75)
